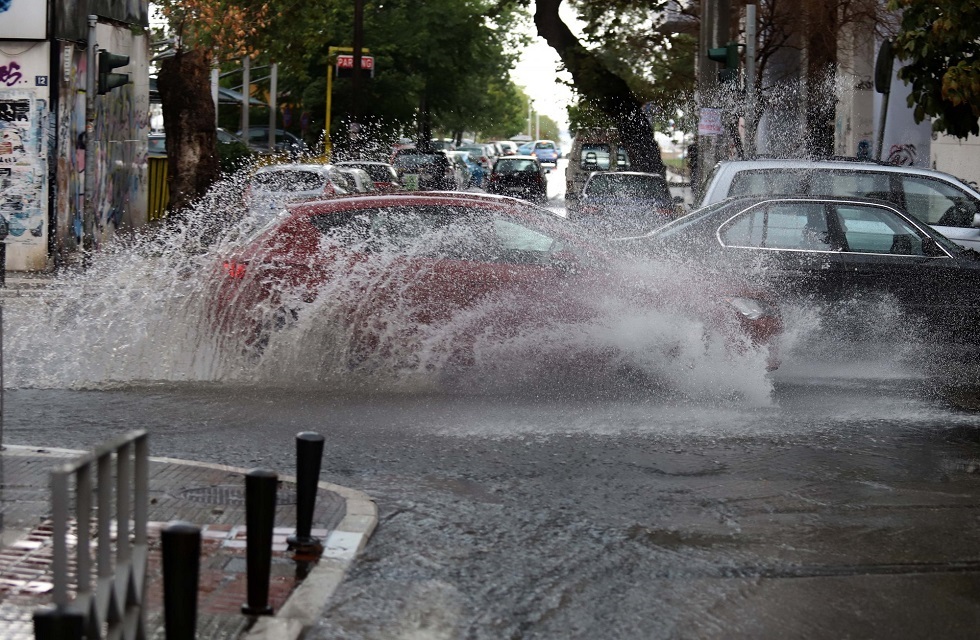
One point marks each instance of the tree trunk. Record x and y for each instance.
(184, 83)
(605, 90)
(821, 32)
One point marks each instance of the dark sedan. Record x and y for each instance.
(834, 250)
(520, 177)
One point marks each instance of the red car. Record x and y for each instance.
(443, 279)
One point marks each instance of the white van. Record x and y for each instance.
(592, 150)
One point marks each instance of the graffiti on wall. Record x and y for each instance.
(121, 158)
(70, 170)
(23, 165)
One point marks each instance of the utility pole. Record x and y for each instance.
(91, 79)
(751, 124)
(355, 85)
(246, 94)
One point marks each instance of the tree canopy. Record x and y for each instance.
(939, 41)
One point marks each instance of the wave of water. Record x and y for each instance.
(140, 314)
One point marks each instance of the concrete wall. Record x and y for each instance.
(958, 157)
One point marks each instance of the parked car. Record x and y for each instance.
(518, 176)
(938, 199)
(383, 174)
(546, 151)
(481, 154)
(273, 186)
(474, 169)
(285, 142)
(461, 160)
(358, 179)
(592, 150)
(385, 272)
(624, 203)
(422, 171)
(508, 147)
(836, 251)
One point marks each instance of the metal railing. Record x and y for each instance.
(111, 605)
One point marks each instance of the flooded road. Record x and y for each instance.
(846, 508)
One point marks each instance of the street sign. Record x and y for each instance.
(345, 65)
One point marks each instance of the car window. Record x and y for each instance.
(877, 230)
(622, 159)
(768, 182)
(594, 157)
(628, 186)
(850, 183)
(781, 225)
(938, 203)
(289, 181)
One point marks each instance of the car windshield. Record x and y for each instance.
(378, 172)
(628, 186)
(289, 180)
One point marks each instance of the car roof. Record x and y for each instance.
(298, 166)
(355, 163)
(850, 164)
(402, 197)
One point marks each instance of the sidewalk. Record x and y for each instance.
(210, 496)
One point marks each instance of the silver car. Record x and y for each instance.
(938, 199)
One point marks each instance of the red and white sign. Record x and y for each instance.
(346, 61)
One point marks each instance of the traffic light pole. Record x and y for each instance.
(91, 80)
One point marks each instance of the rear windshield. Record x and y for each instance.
(289, 180)
(515, 166)
(627, 185)
(595, 157)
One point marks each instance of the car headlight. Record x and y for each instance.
(751, 308)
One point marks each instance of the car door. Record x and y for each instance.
(888, 254)
(790, 244)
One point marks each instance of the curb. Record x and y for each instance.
(302, 607)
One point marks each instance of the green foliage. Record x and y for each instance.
(657, 64)
(232, 156)
(939, 42)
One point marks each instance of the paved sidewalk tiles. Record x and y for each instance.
(210, 496)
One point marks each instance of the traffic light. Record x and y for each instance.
(728, 57)
(107, 62)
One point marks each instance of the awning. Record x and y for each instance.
(225, 96)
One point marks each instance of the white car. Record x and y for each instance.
(273, 186)
(938, 199)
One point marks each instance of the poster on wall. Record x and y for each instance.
(24, 122)
(21, 169)
(23, 20)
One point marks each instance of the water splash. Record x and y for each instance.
(143, 312)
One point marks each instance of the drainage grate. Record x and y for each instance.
(232, 496)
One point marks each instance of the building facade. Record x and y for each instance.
(46, 126)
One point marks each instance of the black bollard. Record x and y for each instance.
(181, 547)
(309, 452)
(260, 513)
(52, 624)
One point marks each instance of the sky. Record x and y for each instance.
(536, 72)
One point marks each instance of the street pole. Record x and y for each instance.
(4, 229)
(215, 71)
(91, 79)
(246, 93)
(273, 88)
(355, 84)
